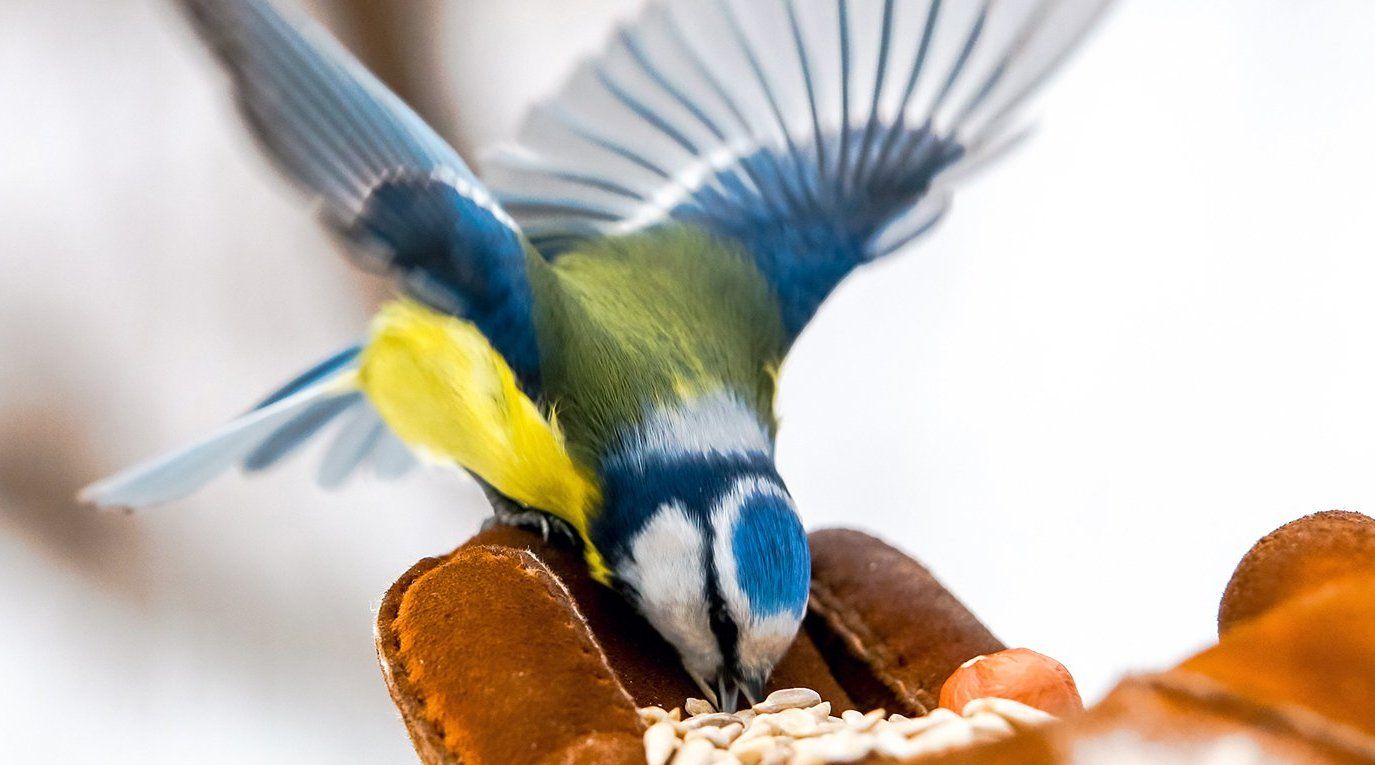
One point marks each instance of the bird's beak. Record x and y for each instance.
(753, 690)
(727, 692)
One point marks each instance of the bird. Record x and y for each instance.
(594, 330)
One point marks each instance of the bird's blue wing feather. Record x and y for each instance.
(819, 134)
(385, 179)
(330, 366)
(292, 435)
(268, 434)
(392, 187)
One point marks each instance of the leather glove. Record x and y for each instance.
(1292, 679)
(506, 652)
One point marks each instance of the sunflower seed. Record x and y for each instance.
(789, 698)
(794, 727)
(844, 746)
(718, 719)
(943, 737)
(860, 721)
(697, 752)
(1019, 715)
(719, 737)
(698, 707)
(796, 722)
(651, 715)
(989, 727)
(661, 740)
(751, 751)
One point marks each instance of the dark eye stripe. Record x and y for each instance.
(723, 627)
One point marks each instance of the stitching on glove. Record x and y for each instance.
(854, 630)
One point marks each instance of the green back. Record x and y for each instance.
(650, 319)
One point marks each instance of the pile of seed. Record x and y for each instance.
(795, 727)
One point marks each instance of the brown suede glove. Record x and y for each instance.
(505, 652)
(1292, 679)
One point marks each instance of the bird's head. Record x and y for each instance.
(718, 562)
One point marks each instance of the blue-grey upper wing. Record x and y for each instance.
(819, 134)
(396, 190)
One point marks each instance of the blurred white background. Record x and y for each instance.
(1137, 345)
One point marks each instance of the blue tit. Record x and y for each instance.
(595, 331)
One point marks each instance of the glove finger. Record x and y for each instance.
(890, 632)
(488, 659)
(1296, 558)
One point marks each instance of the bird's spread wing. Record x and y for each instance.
(396, 190)
(398, 193)
(262, 437)
(819, 134)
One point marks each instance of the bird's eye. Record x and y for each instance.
(724, 628)
(718, 612)
(721, 621)
(624, 589)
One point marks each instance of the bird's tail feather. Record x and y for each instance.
(264, 437)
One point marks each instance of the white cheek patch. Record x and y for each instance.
(764, 643)
(669, 574)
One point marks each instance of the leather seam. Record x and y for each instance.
(860, 639)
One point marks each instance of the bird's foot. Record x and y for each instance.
(548, 526)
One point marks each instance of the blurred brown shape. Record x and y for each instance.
(1292, 679)
(398, 41)
(1295, 558)
(501, 650)
(45, 453)
(893, 632)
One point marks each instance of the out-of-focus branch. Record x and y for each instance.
(44, 454)
(399, 41)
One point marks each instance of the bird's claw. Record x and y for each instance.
(548, 526)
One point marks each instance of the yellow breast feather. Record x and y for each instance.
(444, 390)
